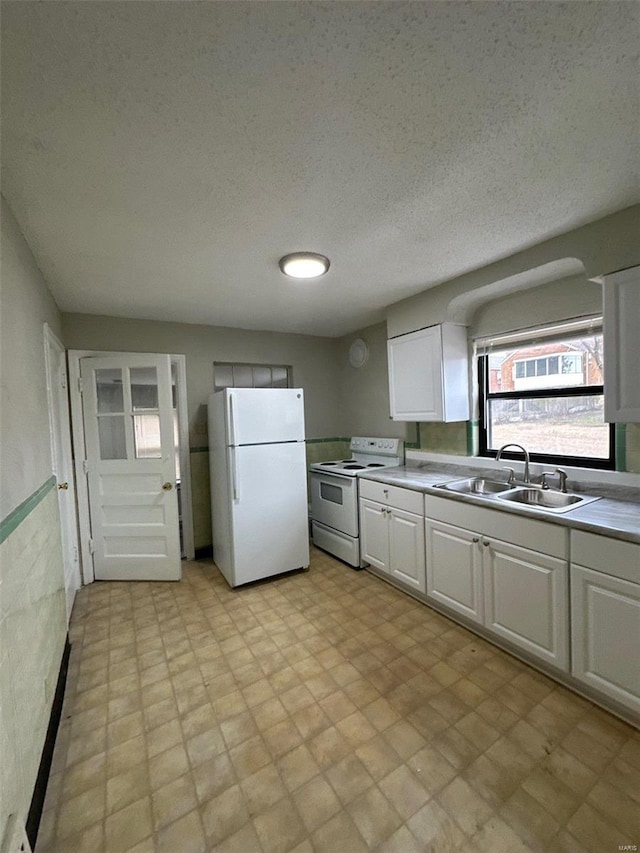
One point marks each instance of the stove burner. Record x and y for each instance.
(376, 465)
(329, 463)
(355, 467)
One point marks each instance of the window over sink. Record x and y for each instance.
(544, 389)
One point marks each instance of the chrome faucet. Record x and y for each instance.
(562, 477)
(526, 458)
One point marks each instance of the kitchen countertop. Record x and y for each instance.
(619, 519)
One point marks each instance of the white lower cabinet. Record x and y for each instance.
(606, 616)
(454, 568)
(406, 548)
(526, 600)
(484, 567)
(374, 534)
(392, 537)
(512, 576)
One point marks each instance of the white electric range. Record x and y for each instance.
(334, 494)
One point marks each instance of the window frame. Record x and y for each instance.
(252, 367)
(550, 458)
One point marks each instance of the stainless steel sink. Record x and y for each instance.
(547, 500)
(476, 486)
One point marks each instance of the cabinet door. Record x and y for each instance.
(605, 620)
(526, 600)
(374, 534)
(621, 313)
(415, 376)
(406, 548)
(454, 568)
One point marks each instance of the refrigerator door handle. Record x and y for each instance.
(235, 479)
(232, 421)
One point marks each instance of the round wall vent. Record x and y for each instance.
(358, 353)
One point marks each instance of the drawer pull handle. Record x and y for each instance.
(476, 539)
(486, 543)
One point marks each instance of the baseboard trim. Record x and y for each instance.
(40, 788)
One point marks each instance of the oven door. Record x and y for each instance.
(334, 501)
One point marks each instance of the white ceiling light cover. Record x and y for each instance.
(304, 265)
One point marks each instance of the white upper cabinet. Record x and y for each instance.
(622, 346)
(429, 375)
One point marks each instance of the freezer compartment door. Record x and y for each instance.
(264, 415)
(269, 510)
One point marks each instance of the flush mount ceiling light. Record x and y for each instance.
(304, 265)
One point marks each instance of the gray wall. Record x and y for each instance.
(314, 360)
(315, 368)
(364, 391)
(25, 454)
(32, 616)
(602, 247)
(550, 303)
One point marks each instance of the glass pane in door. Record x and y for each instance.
(146, 434)
(109, 392)
(113, 444)
(144, 388)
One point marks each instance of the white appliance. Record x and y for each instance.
(334, 495)
(258, 482)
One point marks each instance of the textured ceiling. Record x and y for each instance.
(160, 157)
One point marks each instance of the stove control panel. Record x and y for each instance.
(379, 446)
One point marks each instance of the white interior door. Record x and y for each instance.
(61, 460)
(128, 425)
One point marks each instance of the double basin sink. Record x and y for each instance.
(535, 498)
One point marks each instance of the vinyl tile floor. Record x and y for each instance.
(321, 711)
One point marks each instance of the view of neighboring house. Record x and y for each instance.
(547, 366)
(553, 389)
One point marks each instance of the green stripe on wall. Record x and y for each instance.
(307, 441)
(621, 446)
(472, 426)
(18, 515)
(324, 440)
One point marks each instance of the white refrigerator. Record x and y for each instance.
(258, 482)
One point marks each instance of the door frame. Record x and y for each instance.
(60, 440)
(77, 424)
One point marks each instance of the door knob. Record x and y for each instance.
(166, 487)
(63, 486)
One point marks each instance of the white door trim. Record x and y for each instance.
(80, 454)
(62, 461)
(180, 362)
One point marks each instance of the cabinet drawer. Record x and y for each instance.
(405, 499)
(551, 539)
(611, 556)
